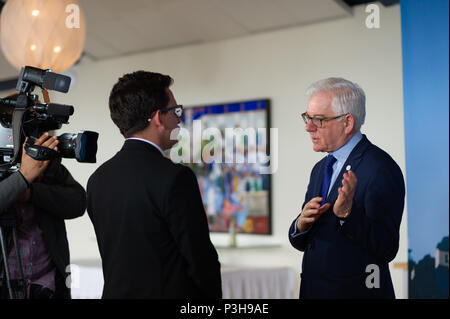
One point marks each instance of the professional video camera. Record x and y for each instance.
(24, 116)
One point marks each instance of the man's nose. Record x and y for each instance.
(310, 127)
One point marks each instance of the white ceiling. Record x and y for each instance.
(121, 27)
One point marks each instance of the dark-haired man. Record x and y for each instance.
(147, 211)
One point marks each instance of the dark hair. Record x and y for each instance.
(135, 97)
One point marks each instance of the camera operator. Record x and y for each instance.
(40, 196)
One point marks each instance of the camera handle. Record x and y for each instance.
(40, 153)
(46, 96)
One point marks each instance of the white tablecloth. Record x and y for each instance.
(258, 283)
(237, 283)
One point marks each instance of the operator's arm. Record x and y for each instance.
(11, 189)
(59, 194)
(16, 185)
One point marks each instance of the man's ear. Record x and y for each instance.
(157, 119)
(349, 123)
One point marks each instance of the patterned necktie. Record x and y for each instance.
(328, 172)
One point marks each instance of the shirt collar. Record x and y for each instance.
(147, 141)
(343, 153)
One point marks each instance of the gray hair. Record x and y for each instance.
(348, 97)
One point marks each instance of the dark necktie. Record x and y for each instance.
(327, 177)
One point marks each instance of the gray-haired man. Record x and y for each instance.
(353, 207)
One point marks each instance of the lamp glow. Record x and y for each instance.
(54, 41)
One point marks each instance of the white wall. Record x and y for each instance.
(277, 65)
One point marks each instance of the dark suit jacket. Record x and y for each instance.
(55, 198)
(336, 257)
(151, 227)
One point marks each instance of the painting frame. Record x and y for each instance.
(241, 194)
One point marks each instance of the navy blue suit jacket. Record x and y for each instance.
(336, 256)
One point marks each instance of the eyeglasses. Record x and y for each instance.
(318, 121)
(178, 110)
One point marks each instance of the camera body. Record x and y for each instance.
(22, 115)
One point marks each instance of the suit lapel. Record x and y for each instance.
(353, 160)
(317, 190)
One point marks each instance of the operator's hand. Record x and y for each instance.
(31, 168)
(310, 213)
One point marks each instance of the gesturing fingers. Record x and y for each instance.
(345, 193)
(311, 212)
(313, 203)
(349, 182)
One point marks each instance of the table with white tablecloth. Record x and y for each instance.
(258, 283)
(237, 283)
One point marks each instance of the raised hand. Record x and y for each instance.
(344, 202)
(31, 168)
